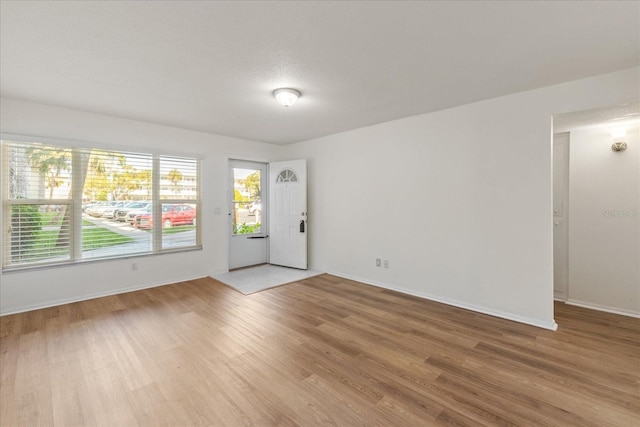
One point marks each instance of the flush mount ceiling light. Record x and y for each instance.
(286, 96)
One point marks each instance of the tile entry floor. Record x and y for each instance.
(256, 279)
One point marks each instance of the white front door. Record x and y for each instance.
(247, 212)
(288, 213)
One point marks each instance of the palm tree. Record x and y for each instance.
(100, 169)
(252, 184)
(49, 162)
(144, 178)
(175, 176)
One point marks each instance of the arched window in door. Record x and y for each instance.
(286, 175)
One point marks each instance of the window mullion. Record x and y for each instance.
(156, 205)
(79, 163)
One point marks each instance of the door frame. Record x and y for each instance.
(560, 214)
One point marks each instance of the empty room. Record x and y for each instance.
(302, 213)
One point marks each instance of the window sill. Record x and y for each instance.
(45, 266)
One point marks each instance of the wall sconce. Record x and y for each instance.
(619, 146)
(618, 140)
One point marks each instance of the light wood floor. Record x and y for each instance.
(324, 351)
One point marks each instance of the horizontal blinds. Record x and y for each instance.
(114, 183)
(37, 184)
(38, 233)
(180, 201)
(61, 201)
(178, 178)
(37, 172)
(116, 175)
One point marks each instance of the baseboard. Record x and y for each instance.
(87, 297)
(604, 308)
(455, 303)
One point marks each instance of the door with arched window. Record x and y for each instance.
(288, 213)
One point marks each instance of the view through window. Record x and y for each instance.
(63, 204)
(247, 201)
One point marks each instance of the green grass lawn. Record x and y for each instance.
(44, 244)
(173, 230)
(45, 241)
(178, 229)
(94, 238)
(52, 218)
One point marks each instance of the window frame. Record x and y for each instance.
(74, 202)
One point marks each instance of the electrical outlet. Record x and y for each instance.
(134, 266)
(386, 263)
(378, 262)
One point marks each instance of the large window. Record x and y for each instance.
(63, 204)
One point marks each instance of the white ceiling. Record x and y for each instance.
(613, 117)
(212, 66)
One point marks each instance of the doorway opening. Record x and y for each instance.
(268, 214)
(248, 216)
(596, 206)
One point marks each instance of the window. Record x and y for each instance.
(287, 175)
(63, 204)
(178, 191)
(247, 204)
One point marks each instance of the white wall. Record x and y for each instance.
(458, 201)
(604, 225)
(26, 290)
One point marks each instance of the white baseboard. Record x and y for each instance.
(599, 307)
(460, 304)
(62, 301)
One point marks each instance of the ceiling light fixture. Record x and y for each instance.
(286, 96)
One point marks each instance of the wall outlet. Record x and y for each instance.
(378, 262)
(386, 263)
(134, 266)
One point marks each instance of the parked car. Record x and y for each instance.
(89, 205)
(98, 209)
(121, 214)
(171, 215)
(110, 211)
(130, 217)
(255, 207)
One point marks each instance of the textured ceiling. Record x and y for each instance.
(212, 66)
(609, 117)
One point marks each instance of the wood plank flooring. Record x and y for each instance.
(323, 351)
